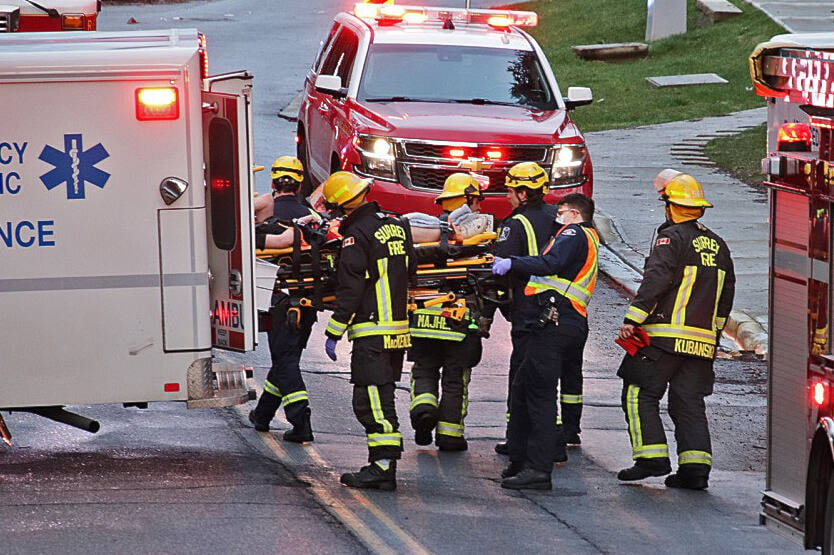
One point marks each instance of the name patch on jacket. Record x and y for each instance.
(696, 348)
(395, 342)
(393, 236)
(431, 322)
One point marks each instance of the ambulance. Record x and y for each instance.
(796, 75)
(48, 15)
(126, 233)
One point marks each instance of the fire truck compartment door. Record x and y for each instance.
(228, 149)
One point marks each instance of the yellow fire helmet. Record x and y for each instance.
(343, 187)
(526, 174)
(288, 166)
(459, 185)
(684, 190)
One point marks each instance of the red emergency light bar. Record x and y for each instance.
(389, 14)
(157, 103)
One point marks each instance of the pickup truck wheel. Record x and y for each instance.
(828, 534)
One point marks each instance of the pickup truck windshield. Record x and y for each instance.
(439, 73)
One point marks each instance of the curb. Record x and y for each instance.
(618, 261)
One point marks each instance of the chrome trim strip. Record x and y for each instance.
(136, 281)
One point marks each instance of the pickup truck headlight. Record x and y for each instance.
(377, 156)
(566, 165)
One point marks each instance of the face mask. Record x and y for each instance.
(560, 220)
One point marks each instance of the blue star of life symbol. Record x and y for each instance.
(74, 166)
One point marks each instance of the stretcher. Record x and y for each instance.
(446, 273)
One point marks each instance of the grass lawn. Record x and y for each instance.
(622, 96)
(741, 154)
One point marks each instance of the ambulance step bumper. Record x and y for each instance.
(217, 384)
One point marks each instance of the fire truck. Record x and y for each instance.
(796, 75)
(407, 94)
(48, 15)
(125, 223)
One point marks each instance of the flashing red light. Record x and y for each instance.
(171, 387)
(494, 154)
(221, 184)
(819, 393)
(794, 137)
(457, 152)
(157, 103)
(202, 51)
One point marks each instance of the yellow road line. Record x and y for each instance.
(343, 513)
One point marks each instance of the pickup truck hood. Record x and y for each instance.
(469, 123)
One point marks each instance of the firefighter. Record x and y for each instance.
(291, 326)
(682, 305)
(445, 348)
(554, 315)
(375, 264)
(525, 231)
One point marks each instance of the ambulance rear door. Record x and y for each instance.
(227, 144)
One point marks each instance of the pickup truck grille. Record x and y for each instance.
(439, 151)
(426, 165)
(434, 178)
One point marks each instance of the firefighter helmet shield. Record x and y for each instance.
(526, 174)
(288, 166)
(458, 185)
(343, 187)
(684, 190)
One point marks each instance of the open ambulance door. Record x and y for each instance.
(227, 146)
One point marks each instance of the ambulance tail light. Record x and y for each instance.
(73, 22)
(202, 52)
(794, 137)
(157, 103)
(819, 394)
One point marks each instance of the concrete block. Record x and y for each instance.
(616, 51)
(713, 11)
(686, 80)
(665, 18)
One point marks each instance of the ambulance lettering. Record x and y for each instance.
(227, 314)
(11, 152)
(74, 166)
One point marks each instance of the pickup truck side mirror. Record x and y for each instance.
(578, 96)
(330, 84)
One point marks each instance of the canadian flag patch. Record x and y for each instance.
(662, 241)
(347, 241)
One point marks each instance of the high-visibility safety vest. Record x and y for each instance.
(578, 290)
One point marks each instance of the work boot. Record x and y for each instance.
(511, 470)
(423, 426)
(502, 448)
(372, 477)
(301, 432)
(561, 456)
(528, 479)
(644, 470)
(450, 443)
(683, 481)
(259, 426)
(574, 440)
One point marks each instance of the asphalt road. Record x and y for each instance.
(169, 480)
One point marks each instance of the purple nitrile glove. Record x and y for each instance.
(330, 348)
(501, 266)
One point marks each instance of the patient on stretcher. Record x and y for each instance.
(461, 223)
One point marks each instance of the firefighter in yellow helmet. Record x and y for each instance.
(445, 347)
(682, 305)
(375, 264)
(284, 384)
(523, 233)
